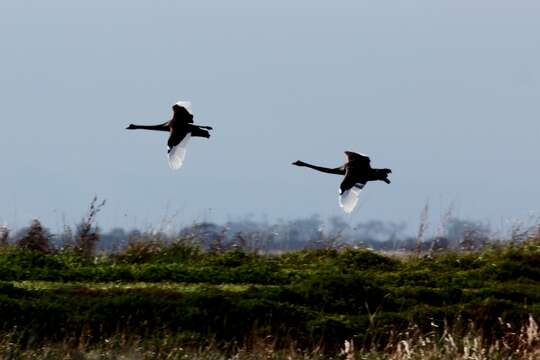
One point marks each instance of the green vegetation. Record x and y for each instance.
(230, 300)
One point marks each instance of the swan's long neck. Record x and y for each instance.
(337, 171)
(160, 127)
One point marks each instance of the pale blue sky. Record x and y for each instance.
(445, 93)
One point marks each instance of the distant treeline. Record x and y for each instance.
(308, 233)
(284, 235)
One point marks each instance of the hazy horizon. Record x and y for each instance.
(445, 94)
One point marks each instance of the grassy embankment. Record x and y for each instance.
(175, 297)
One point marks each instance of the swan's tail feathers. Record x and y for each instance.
(178, 153)
(349, 198)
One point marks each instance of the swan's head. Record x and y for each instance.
(131, 127)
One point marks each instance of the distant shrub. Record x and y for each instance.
(181, 250)
(36, 238)
(140, 250)
(146, 249)
(234, 258)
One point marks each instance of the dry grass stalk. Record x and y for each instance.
(422, 227)
(87, 232)
(4, 235)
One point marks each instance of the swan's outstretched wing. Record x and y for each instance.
(349, 198)
(182, 112)
(186, 105)
(177, 148)
(359, 160)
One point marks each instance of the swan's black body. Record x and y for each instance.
(179, 127)
(357, 170)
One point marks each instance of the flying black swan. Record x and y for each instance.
(358, 172)
(181, 128)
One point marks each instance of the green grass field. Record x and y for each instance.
(177, 301)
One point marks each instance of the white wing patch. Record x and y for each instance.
(178, 153)
(349, 198)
